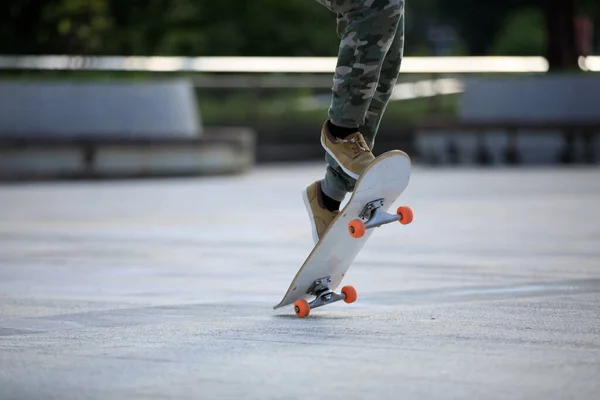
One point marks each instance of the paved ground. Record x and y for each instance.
(164, 289)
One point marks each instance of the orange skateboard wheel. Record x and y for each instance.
(350, 293)
(301, 308)
(356, 228)
(406, 215)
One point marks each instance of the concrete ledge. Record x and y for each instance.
(116, 108)
(218, 151)
(548, 119)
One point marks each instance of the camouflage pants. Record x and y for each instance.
(369, 58)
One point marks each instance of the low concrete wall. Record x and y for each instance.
(227, 151)
(101, 109)
(549, 98)
(495, 148)
(113, 129)
(550, 119)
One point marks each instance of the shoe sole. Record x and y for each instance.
(311, 216)
(350, 173)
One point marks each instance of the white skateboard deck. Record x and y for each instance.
(385, 178)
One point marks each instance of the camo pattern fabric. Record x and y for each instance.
(370, 54)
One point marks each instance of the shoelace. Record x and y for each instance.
(357, 144)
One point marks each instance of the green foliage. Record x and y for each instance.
(522, 34)
(246, 108)
(168, 27)
(78, 25)
(256, 28)
(479, 21)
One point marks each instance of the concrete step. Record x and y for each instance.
(217, 151)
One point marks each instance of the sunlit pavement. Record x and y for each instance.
(165, 288)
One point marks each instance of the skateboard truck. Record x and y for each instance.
(323, 296)
(372, 216)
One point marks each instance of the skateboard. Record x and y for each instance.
(376, 189)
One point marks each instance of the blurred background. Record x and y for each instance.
(162, 288)
(161, 87)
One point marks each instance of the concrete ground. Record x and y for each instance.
(164, 289)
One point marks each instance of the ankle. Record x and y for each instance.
(340, 132)
(329, 203)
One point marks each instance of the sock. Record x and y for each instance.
(330, 204)
(339, 131)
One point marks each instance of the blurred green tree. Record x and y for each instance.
(522, 34)
(284, 28)
(78, 25)
(56, 26)
(480, 22)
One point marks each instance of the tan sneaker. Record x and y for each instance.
(320, 216)
(352, 153)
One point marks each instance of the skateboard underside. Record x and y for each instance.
(376, 190)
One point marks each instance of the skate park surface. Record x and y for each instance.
(164, 288)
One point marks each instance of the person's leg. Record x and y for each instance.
(367, 29)
(387, 82)
(367, 37)
(366, 95)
